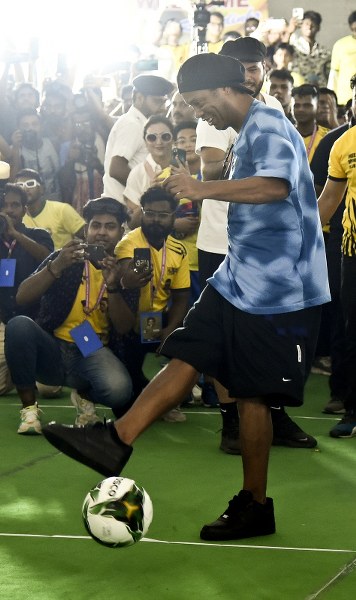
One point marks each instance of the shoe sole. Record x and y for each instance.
(294, 443)
(344, 436)
(30, 432)
(214, 536)
(230, 450)
(77, 455)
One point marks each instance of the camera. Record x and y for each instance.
(201, 19)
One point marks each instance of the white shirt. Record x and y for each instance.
(126, 140)
(212, 233)
(139, 179)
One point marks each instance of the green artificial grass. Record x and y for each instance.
(190, 482)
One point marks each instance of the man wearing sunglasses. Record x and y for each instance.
(166, 295)
(126, 146)
(62, 222)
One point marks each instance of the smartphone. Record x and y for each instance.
(178, 157)
(298, 13)
(96, 253)
(142, 259)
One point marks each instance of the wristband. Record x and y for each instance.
(49, 269)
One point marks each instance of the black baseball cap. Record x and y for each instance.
(211, 71)
(152, 85)
(246, 49)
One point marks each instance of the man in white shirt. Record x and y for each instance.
(125, 146)
(213, 146)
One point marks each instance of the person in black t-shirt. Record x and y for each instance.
(28, 248)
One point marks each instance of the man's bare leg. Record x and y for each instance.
(256, 434)
(164, 392)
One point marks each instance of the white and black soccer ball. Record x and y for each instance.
(117, 512)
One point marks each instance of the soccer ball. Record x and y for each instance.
(117, 512)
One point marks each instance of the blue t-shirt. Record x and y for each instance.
(276, 257)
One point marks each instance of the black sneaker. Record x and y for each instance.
(243, 518)
(230, 442)
(97, 446)
(287, 433)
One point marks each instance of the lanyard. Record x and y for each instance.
(86, 309)
(10, 247)
(154, 290)
(312, 139)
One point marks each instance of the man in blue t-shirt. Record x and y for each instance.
(255, 325)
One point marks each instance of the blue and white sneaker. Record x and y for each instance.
(345, 428)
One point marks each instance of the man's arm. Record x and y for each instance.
(119, 169)
(32, 288)
(120, 314)
(330, 198)
(251, 190)
(34, 248)
(212, 162)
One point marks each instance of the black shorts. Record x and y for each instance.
(251, 355)
(209, 262)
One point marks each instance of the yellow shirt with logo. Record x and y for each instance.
(98, 319)
(189, 241)
(154, 297)
(60, 220)
(342, 167)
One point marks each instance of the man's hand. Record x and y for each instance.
(111, 271)
(10, 229)
(72, 253)
(184, 186)
(135, 277)
(186, 225)
(16, 139)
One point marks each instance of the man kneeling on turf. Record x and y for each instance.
(83, 303)
(255, 325)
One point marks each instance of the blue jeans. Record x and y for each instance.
(33, 355)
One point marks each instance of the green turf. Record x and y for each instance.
(190, 482)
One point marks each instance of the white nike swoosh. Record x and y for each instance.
(284, 379)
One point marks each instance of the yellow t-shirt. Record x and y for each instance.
(215, 47)
(189, 241)
(175, 276)
(321, 132)
(342, 166)
(60, 220)
(343, 61)
(98, 319)
(180, 54)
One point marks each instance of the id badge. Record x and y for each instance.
(7, 272)
(86, 339)
(150, 327)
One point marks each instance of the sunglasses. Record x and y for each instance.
(30, 183)
(152, 137)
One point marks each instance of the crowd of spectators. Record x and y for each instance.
(72, 156)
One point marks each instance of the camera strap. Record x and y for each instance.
(86, 308)
(10, 247)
